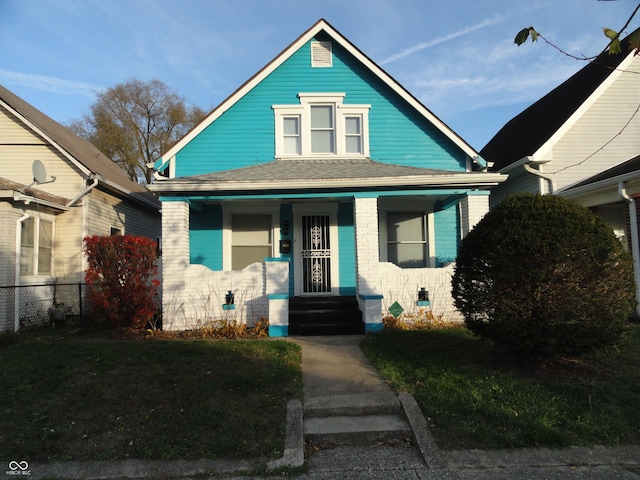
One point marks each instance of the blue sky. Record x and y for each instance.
(456, 56)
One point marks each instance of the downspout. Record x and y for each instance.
(16, 304)
(84, 192)
(535, 171)
(635, 241)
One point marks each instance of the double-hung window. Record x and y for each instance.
(321, 126)
(406, 239)
(36, 247)
(291, 135)
(251, 239)
(322, 129)
(353, 134)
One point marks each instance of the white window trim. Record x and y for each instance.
(247, 209)
(303, 111)
(36, 248)
(430, 238)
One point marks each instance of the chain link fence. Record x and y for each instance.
(39, 305)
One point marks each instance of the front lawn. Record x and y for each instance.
(66, 397)
(473, 398)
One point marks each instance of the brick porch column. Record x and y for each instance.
(175, 260)
(368, 262)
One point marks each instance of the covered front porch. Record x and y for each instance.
(379, 249)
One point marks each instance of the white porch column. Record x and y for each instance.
(175, 260)
(368, 262)
(473, 207)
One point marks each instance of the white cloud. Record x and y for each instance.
(49, 84)
(421, 46)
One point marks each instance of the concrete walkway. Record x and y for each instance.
(337, 378)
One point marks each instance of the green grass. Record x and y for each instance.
(473, 398)
(66, 397)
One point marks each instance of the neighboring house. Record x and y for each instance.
(613, 194)
(577, 141)
(55, 189)
(320, 178)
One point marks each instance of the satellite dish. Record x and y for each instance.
(39, 172)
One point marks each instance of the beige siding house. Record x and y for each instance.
(55, 189)
(580, 141)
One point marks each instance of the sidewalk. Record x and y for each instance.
(336, 372)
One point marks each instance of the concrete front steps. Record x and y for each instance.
(359, 419)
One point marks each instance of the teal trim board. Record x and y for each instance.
(278, 331)
(278, 296)
(373, 327)
(347, 249)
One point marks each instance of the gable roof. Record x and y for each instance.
(84, 155)
(320, 26)
(527, 132)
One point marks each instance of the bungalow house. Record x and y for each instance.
(320, 185)
(55, 189)
(580, 141)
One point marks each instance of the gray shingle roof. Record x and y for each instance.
(282, 170)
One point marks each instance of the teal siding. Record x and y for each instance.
(244, 135)
(447, 233)
(346, 249)
(205, 237)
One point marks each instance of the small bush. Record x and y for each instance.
(121, 286)
(424, 319)
(540, 275)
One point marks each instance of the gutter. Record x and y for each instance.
(549, 178)
(27, 199)
(83, 193)
(474, 179)
(635, 240)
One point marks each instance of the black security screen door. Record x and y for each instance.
(316, 254)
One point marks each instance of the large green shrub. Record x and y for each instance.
(540, 275)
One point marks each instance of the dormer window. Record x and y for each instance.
(321, 126)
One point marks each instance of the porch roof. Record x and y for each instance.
(303, 174)
(16, 192)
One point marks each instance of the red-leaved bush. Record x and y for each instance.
(121, 286)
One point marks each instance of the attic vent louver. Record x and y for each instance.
(321, 54)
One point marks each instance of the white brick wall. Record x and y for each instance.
(201, 297)
(402, 286)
